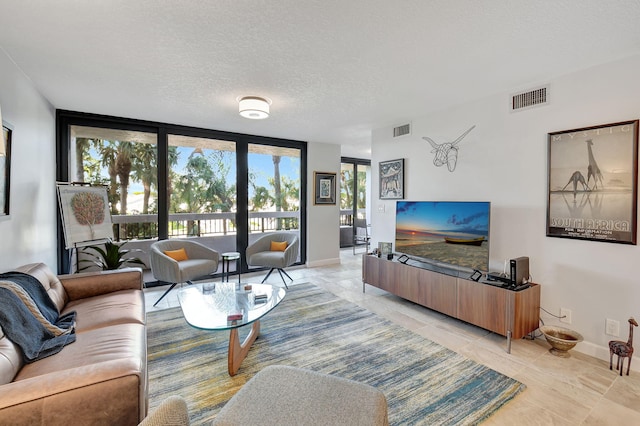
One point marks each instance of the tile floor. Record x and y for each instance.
(580, 390)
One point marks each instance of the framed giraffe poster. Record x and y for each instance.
(593, 175)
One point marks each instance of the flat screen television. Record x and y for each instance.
(453, 233)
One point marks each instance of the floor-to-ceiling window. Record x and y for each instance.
(167, 181)
(202, 190)
(274, 189)
(125, 162)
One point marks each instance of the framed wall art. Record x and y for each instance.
(5, 167)
(391, 175)
(324, 188)
(592, 183)
(86, 218)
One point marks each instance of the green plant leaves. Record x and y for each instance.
(111, 257)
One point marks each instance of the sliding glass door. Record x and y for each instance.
(355, 196)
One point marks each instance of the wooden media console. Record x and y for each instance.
(512, 314)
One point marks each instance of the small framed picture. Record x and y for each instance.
(324, 188)
(385, 248)
(391, 176)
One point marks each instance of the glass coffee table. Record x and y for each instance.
(230, 307)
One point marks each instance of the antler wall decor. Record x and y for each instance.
(447, 153)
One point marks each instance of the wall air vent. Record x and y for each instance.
(405, 129)
(530, 98)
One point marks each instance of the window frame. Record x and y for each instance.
(65, 119)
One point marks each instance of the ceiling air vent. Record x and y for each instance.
(531, 98)
(405, 129)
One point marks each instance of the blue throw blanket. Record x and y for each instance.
(36, 338)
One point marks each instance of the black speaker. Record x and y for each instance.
(519, 268)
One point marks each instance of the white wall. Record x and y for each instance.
(29, 233)
(323, 221)
(504, 160)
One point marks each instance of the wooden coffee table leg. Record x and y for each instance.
(237, 351)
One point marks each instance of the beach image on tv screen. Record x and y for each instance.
(455, 233)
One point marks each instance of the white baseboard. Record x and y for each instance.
(323, 262)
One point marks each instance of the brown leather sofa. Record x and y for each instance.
(101, 378)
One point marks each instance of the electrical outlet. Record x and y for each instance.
(381, 208)
(612, 328)
(565, 315)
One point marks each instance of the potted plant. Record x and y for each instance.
(111, 257)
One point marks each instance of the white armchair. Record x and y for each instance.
(260, 254)
(172, 411)
(361, 235)
(201, 261)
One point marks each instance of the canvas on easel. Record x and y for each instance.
(86, 218)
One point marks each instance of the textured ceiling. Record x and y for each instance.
(335, 70)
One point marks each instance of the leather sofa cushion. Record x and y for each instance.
(10, 359)
(120, 307)
(122, 341)
(49, 281)
(98, 398)
(91, 284)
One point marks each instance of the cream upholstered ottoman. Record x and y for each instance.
(281, 395)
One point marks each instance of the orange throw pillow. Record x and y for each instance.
(177, 255)
(276, 246)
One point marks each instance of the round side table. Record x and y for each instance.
(226, 259)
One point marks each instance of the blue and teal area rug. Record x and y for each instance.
(424, 382)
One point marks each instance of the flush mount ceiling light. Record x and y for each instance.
(254, 107)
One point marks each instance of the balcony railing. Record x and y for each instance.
(145, 226)
(346, 216)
